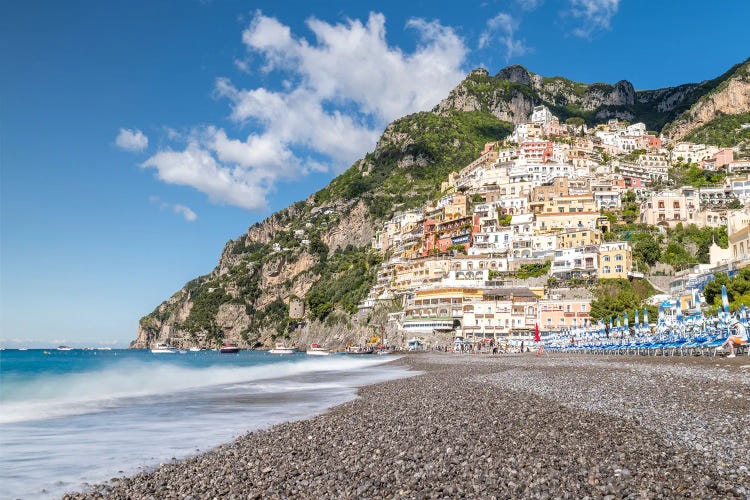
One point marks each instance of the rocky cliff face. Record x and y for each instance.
(512, 94)
(730, 97)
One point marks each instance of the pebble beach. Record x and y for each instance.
(554, 426)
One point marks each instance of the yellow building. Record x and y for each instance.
(576, 238)
(419, 272)
(574, 203)
(615, 260)
(547, 222)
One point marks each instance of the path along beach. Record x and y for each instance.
(557, 426)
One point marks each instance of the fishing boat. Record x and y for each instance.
(64, 348)
(281, 348)
(229, 348)
(162, 348)
(317, 350)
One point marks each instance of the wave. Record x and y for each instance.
(59, 395)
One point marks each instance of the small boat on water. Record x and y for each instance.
(281, 348)
(162, 348)
(64, 348)
(229, 348)
(103, 348)
(194, 349)
(354, 349)
(317, 350)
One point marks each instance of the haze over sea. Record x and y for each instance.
(83, 416)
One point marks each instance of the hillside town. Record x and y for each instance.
(518, 237)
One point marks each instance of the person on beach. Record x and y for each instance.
(740, 338)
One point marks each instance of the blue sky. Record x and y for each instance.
(136, 138)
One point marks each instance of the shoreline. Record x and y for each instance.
(493, 426)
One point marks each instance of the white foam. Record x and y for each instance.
(71, 394)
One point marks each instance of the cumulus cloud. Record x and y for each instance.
(595, 15)
(338, 92)
(503, 28)
(183, 210)
(131, 140)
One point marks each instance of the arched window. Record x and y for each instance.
(606, 258)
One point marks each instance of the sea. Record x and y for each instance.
(73, 418)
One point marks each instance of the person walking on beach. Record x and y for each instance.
(538, 340)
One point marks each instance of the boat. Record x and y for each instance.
(355, 349)
(281, 348)
(194, 349)
(162, 348)
(64, 348)
(229, 348)
(103, 348)
(317, 350)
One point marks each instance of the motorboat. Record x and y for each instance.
(103, 348)
(317, 350)
(194, 349)
(281, 348)
(64, 348)
(354, 349)
(229, 348)
(162, 348)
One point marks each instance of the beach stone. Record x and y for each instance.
(558, 426)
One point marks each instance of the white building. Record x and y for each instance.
(541, 115)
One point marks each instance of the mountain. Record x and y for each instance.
(729, 95)
(514, 91)
(301, 272)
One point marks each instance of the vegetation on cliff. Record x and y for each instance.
(414, 156)
(724, 131)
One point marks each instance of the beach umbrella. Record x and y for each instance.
(725, 299)
(636, 319)
(536, 333)
(661, 319)
(626, 330)
(645, 317)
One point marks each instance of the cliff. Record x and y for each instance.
(315, 255)
(729, 97)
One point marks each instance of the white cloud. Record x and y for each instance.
(529, 5)
(183, 210)
(595, 15)
(131, 140)
(336, 95)
(503, 28)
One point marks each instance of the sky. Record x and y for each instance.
(137, 138)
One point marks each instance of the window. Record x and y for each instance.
(606, 258)
(618, 269)
(618, 257)
(606, 270)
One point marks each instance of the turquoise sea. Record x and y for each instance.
(68, 418)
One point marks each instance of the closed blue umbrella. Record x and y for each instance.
(725, 299)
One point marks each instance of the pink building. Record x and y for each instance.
(720, 159)
(536, 151)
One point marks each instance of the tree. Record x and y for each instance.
(734, 204)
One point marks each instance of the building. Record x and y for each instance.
(535, 151)
(615, 260)
(541, 114)
(670, 208)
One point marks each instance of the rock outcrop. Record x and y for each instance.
(730, 97)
